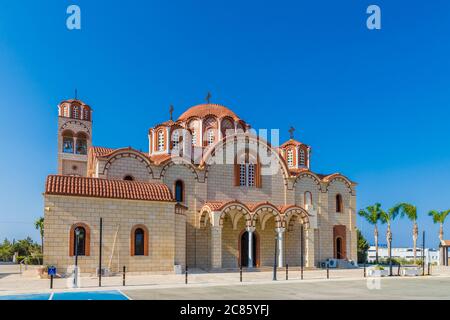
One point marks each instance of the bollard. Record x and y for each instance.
(186, 275)
(287, 271)
(240, 273)
(301, 272)
(51, 282)
(123, 276)
(365, 274)
(328, 272)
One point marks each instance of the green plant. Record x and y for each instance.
(363, 246)
(410, 211)
(25, 248)
(439, 217)
(372, 215)
(378, 267)
(39, 225)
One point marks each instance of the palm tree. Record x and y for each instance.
(39, 225)
(410, 211)
(439, 217)
(372, 215)
(387, 218)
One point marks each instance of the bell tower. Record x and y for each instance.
(74, 137)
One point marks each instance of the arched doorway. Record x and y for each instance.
(243, 254)
(339, 243)
(339, 248)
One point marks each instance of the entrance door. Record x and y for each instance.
(244, 249)
(339, 248)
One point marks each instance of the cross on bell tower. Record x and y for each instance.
(171, 111)
(291, 132)
(208, 97)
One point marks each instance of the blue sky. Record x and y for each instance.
(373, 105)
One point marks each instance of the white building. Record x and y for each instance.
(431, 255)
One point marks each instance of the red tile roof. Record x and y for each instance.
(445, 243)
(101, 151)
(251, 207)
(203, 110)
(291, 142)
(160, 158)
(104, 188)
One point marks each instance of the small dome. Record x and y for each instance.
(204, 110)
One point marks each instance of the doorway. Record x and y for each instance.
(339, 248)
(244, 249)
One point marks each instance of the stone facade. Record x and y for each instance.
(219, 202)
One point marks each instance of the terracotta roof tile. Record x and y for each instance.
(160, 158)
(101, 151)
(203, 110)
(104, 188)
(251, 207)
(291, 142)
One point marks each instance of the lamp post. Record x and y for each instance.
(390, 253)
(301, 252)
(75, 270)
(275, 259)
(423, 253)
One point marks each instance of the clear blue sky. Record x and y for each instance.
(373, 105)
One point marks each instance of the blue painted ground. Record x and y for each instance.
(39, 296)
(89, 295)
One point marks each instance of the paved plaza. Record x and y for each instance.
(342, 284)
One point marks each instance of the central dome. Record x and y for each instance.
(207, 109)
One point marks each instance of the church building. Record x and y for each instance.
(209, 193)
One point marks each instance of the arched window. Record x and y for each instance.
(290, 158)
(161, 144)
(79, 240)
(76, 111)
(193, 128)
(339, 205)
(179, 191)
(86, 114)
(67, 146)
(64, 111)
(302, 161)
(81, 147)
(128, 178)
(139, 241)
(194, 137)
(248, 173)
(210, 137)
(175, 140)
(308, 199)
(227, 127)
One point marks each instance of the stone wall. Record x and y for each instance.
(119, 217)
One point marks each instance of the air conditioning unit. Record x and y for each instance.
(332, 263)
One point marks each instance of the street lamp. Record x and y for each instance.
(275, 259)
(390, 253)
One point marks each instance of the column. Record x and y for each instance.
(216, 247)
(251, 257)
(309, 247)
(280, 232)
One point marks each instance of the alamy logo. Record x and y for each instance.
(73, 21)
(374, 20)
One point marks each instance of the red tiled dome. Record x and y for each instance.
(203, 110)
